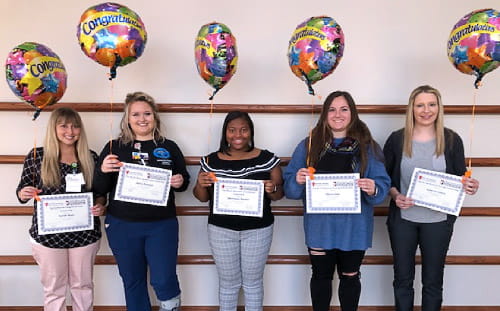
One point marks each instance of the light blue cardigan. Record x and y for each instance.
(338, 231)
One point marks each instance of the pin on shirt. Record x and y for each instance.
(141, 156)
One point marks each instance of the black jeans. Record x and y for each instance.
(323, 267)
(434, 240)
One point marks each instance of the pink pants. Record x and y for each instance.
(60, 267)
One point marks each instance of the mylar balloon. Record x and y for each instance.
(315, 49)
(474, 43)
(112, 35)
(215, 54)
(36, 75)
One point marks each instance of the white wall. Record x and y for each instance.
(391, 47)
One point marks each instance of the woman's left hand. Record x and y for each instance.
(98, 209)
(367, 185)
(176, 181)
(470, 185)
(269, 186)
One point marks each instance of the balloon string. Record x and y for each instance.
(471, 130)
(209, 136)
(111, 95)
(311, 121)
(35, 131)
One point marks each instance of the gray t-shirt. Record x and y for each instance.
(423, 157)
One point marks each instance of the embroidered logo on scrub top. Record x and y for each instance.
(161, 153)
(163, 156)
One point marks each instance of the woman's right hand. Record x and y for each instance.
(110, 164)
(403, 202)
(301, 175)
(205, 179)
(28, 192)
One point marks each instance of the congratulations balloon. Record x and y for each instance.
(215, 54)
(474, 43)
(315, 49)
(36, 75)
(112, 35)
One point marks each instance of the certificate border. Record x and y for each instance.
(127, 198)
(458, 204)
(231, 212)
(337, 209)
(42, 230)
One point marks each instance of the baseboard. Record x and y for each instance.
(267, 308)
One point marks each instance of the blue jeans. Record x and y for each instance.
(434, 240)
(139, 245)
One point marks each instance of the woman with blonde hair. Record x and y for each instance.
(65, 259)
(143, 236)
(423, 143)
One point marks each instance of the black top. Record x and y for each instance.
(31, 176)
(393, 153)
(163, 154)
(258, 168)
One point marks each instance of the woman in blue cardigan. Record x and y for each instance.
(340, 143)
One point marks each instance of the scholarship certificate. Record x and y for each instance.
(143, 184)
(64, 213)
(438, 191)
(242, 197)
(333, 194)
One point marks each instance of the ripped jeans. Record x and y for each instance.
(323, 266)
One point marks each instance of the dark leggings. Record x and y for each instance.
(323, 266)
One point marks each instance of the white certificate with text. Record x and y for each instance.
(242, 197)
(438, 191)
(143, 184)
(333, 194)
(65, 213)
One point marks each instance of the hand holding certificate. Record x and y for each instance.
(64, 213)
(242, 197)
(438, 191)
(143, 184)
(333, 194)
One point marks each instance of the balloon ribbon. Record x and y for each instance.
(311, 169)
(209, 137)
(37, 198)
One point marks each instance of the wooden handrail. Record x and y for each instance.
(25, 260)
(24, 210)
(223, 108)
(195, 160)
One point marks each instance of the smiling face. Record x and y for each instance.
(339, 117)
(425, 109)
(141, 120)
(238, 135)
(67, 133)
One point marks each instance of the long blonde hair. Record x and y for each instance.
(51, 174)
(410, 121)
(127, 135)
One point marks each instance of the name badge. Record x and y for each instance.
(140, 156)
(74, 182)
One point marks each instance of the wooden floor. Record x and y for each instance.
(271, 308)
